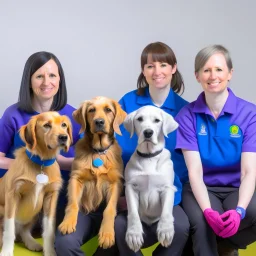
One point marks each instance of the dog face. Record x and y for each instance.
(150, 124)
(100, 115)
(48, 129)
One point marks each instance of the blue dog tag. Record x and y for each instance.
(97, 162)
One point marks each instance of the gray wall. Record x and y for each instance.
(99, 42)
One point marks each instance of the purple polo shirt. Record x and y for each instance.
(220, 142)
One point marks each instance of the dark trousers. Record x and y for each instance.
(181, 227)
(87, 227)
(222, 199)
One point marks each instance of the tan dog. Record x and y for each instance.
(33, 182)
(89, 185)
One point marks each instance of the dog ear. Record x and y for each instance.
(119, 117)
(67, 120)
(80, 116)
(169, 124)
(129, 123)
(28, 133)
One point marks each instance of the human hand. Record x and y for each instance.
(214, 220)
(231, 220)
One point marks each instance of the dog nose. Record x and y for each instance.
(148, 133)
(99, 122)
(62, 138)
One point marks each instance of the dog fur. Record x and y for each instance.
(89, 185)
(21, 196)
(149, 181)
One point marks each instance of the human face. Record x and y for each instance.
(45, 81)
(214, 76)
(158, 74)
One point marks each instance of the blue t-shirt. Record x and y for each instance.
(220, 142)
(11, 121)
(172, 105)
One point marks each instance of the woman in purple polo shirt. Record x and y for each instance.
(43, 88)
(217, 135)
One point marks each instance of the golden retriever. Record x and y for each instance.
(33, 182)
(92, 182)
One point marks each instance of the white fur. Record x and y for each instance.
(48, 236)
(8, 237)
(149, 181)
(38, 189)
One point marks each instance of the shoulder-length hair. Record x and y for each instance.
(34, 62)
(160, 52)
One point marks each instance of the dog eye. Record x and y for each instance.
(47, 125)
(157, 120)
(107, 109)
(91, 110)
(140, 119)
(63, 125)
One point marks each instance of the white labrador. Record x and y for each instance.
(149, 176)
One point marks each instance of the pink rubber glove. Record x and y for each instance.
(214, 220)
(231, 220)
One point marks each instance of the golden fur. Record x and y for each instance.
(89, 185)
(18, 197)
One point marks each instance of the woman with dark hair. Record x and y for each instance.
(43, 88)
(158, 85)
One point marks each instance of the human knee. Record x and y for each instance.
(120, 224)
(64, 244)
(182, 227)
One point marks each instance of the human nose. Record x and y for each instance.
(157, 70)
(46, 79)
(213, 75)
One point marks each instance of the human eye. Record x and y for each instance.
(206, 70)
(39, 76)
(219, 69)
(52, 75)
(149, 66)
(163, 65)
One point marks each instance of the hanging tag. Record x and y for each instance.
(42, 178)
(97, 162)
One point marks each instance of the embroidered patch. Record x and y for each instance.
(203, 130)
(234, 131)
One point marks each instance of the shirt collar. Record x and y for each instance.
(146, 100)
(229, 107)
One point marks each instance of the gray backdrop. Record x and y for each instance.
(99, 42)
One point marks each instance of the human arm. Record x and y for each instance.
(248, 178)
(65, 162)
(195, 173)
(5, 162)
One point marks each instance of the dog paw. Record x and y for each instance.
(50, 252)
(106, 239)
(68, 226)
(6, 253)
(34, 246)
(165, 233)
(134, 240)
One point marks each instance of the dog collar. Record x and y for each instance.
(149, 155)
(98, 162)
(102, 151)
(37, 160)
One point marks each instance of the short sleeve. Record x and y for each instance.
(249, 140)
(7, 133)
(186, 133)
